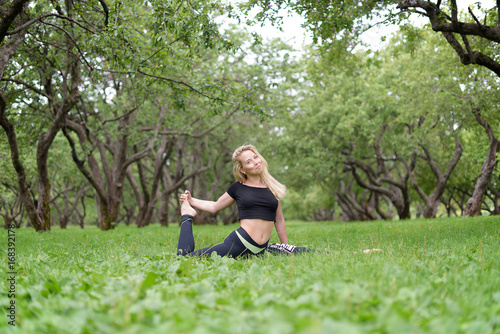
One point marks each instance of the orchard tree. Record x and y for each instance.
(42, 52)
(386, 123)
(69, 188)
(474, 36)
(481, 94)
(11, 208)
(165, 88)
(473, 33)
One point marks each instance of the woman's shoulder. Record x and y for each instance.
(236, 184)
(233, 188)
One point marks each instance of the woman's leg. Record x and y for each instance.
(236, 244)
(228, 247)
(186, 239)
(233, 244)
(232, 247)
(185, 246)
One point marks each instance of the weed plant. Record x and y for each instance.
(433, 276)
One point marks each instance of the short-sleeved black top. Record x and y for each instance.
(254, 202)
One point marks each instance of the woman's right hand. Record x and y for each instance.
(185, 196)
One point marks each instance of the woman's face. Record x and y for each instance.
(251, 164)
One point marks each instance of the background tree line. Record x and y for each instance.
(109, 110)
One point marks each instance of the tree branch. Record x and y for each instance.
(72, 40)
(106, 11)
(121, 116)
(454, 160)
(454, 13)
(439, 24)
(81, 167)
(484, 124)
(41, 17)
(475, 19)
(15, 9)
(498, 13)
(27, 85)
(182, 83)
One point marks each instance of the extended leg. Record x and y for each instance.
(232, 246)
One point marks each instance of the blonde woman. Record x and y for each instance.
(258, 196)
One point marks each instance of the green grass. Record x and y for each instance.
(434, 276)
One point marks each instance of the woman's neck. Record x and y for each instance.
(254, 182)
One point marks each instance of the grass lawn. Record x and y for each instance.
(433, 276)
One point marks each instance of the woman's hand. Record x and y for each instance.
(186, 196)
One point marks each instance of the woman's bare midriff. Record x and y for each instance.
(258, 229)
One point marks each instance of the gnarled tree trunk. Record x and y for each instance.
(473, 207)
(109, 197)
(396, 191)
(432, 201)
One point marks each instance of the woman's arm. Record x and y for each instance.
(209, 206)
(280, 225)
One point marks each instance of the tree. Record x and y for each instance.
(336, 22)
(160, 96)
(473, 207)
(49, 79)
(432, 200)
(68, 188)
(11, 209)
(388, 121)
(331, 20)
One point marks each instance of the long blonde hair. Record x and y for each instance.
(278, 189)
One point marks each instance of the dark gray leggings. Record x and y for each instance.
(233, 245)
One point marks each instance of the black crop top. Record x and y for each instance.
(254, 202)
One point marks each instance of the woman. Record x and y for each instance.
(258, 196)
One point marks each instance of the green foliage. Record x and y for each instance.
(329, 21)
(432, 275)
(315, 202)
(386, 105)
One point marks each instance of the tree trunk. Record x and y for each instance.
(59, 104)
(148, 206)
(432, 201)
(15, 210)
(348, 214)
(164, 204)
(109, 196)
(385, 215)
(397, 192)
(204, 217)
(473, 207)
(351, 206)
(7, 50)
(81, 216)
(495, 195)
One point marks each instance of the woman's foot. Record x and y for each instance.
(187, 209)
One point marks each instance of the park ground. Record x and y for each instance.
(434, 276)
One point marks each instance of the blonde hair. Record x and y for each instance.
(278, 189)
